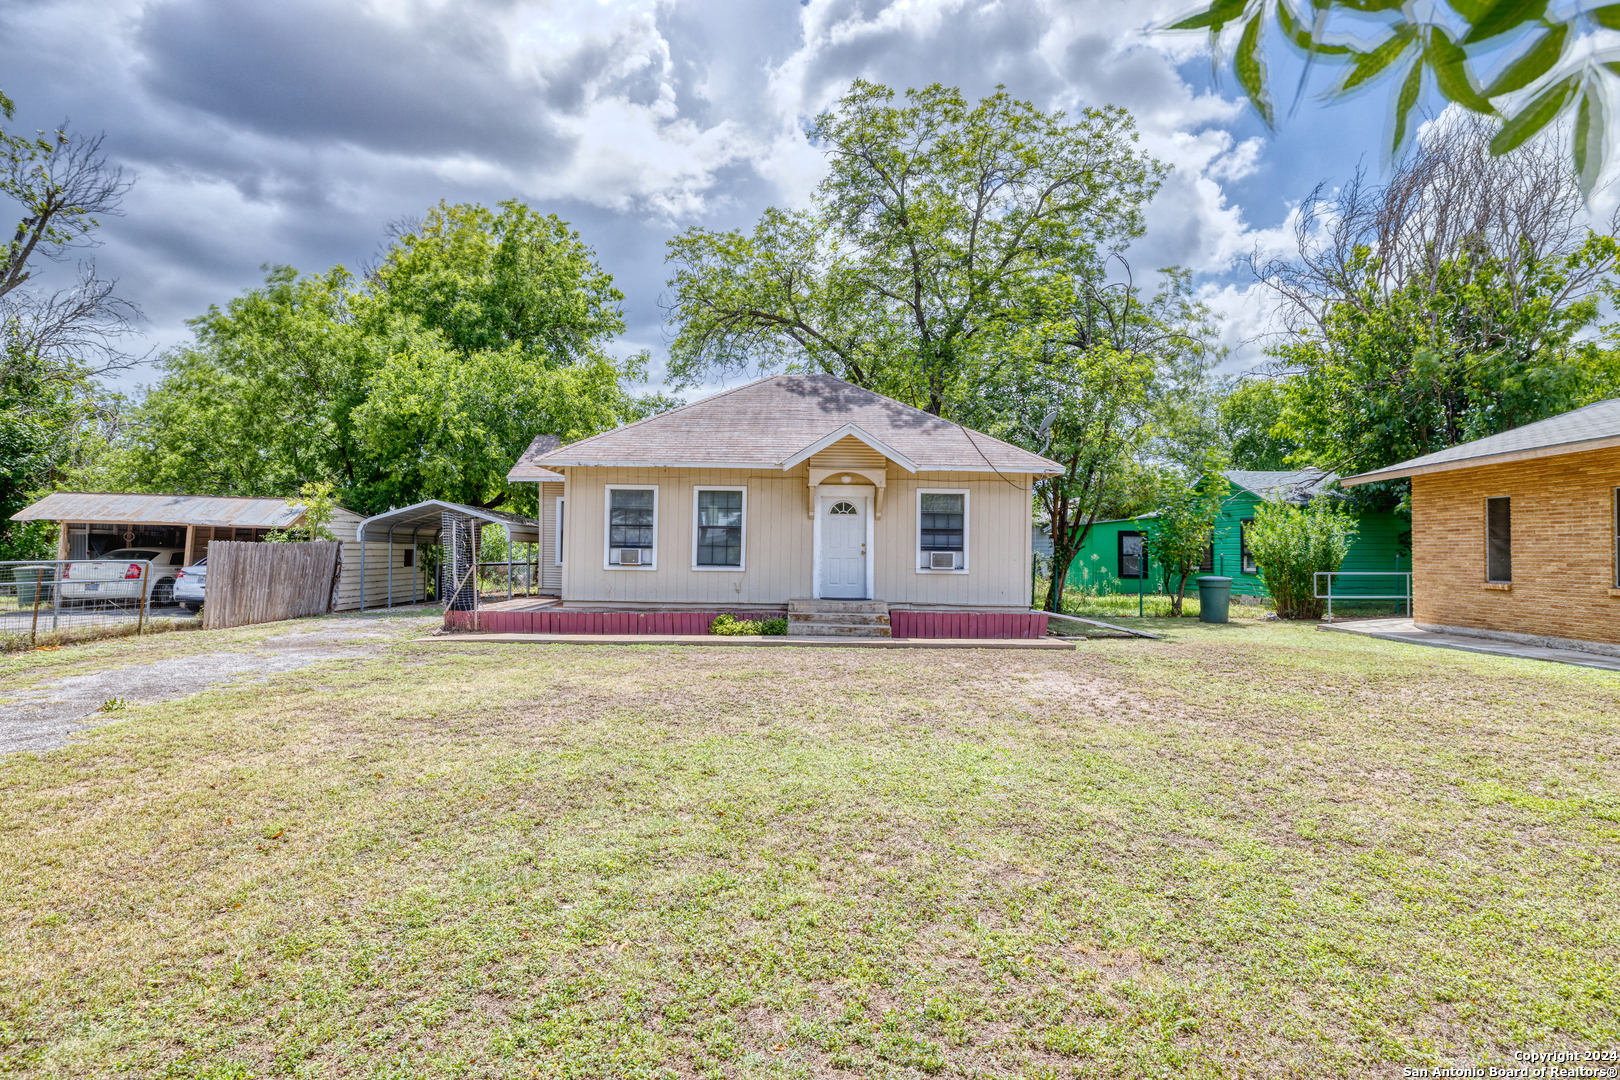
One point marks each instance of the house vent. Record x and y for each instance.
(942, 560)
(629, 556)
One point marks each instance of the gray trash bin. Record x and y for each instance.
(1214, 597)
(32, 582)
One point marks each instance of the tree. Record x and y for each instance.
(1552, 71)
(1250, 423)
(1078, 380)
(476, 332)
(1453, 302)
(53, 344)
(1291, 545)
(938, 226)
(1182, 531)
(319, 501)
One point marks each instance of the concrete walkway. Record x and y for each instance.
(766, 642)
(1404, 630)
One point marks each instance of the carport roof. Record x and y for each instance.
(123, 508)
(431, 513)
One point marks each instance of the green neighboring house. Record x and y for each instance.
(1110, 559)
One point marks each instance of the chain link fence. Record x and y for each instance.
(43, 600)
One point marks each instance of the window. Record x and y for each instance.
(632, 527)
(558, 555)
(177, 559)
(1130, 555)
(718, 537)
(1498, 540)
(408, 558)
(941, 531)
(1617, 538)
(1206, 563)
(1249, 566)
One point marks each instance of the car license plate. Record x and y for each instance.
(92, 586)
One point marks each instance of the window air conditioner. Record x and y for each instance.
(629, 556)
(942, 560)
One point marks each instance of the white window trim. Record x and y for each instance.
(557, 541)
(918, 558)
(741, 566)
(607, 525)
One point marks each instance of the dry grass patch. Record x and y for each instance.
(1246, 850)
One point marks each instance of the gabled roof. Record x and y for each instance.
(766, 424)
(132, 509)
(1295, 486)
(526, 469)
(1592, 427)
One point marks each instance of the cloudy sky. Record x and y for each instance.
(293, 131)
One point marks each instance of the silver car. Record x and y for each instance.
(189, 585)
(125, 574)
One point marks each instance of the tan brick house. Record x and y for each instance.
(1514, 536)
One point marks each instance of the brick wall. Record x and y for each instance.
(1563, 548)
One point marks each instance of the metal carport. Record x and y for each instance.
(442, 517)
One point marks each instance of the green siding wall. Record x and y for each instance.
(1378, 547)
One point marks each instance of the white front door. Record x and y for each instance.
(843, 547)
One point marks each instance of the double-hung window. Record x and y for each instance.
(1499, 540)
(632, 527)
(718, 541)
(1130, 555)
(942, 531)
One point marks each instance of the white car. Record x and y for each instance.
(123, 575)
(190, 583)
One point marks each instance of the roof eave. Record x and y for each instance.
(1406, 469)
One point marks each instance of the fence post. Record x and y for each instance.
(56, 596)
(140, 618)
(33, 630)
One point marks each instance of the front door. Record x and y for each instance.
(843, 548)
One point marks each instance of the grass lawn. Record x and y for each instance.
(1252, 850)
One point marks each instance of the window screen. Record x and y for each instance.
(630, 519)
(1498, 540)
(1206, 564)
(1249, 566)
(1130, 554)
(720, 519)
(942, 522)
(408, 558)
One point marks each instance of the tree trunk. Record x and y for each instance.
(1062, 556)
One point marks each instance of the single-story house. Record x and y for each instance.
(789, 488)
(93, 523)
(1514, 536)
(1110, 559)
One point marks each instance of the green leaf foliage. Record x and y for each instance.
(1292, 544)
(1183, 530)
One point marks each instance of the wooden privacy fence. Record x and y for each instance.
(260, 583)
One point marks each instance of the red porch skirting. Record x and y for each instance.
(903, 624)
(597, 622)
(966, 624)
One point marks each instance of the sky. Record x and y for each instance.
(295, 131)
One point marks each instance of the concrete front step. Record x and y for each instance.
(820, 629)
(840, 619)
(839, 607)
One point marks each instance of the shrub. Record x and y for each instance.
(728, 626)
(1291, 545)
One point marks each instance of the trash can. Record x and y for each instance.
(33, 581)
(1214, 596)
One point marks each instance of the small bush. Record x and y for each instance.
(728, 626)
(1292, 545)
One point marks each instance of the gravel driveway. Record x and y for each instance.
(42, 717)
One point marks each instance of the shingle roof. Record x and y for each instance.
(526, 469)
(1579, 429)
(1297, 486)
(763, 424)
(126, 508)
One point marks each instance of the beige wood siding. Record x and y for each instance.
(779, 535)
